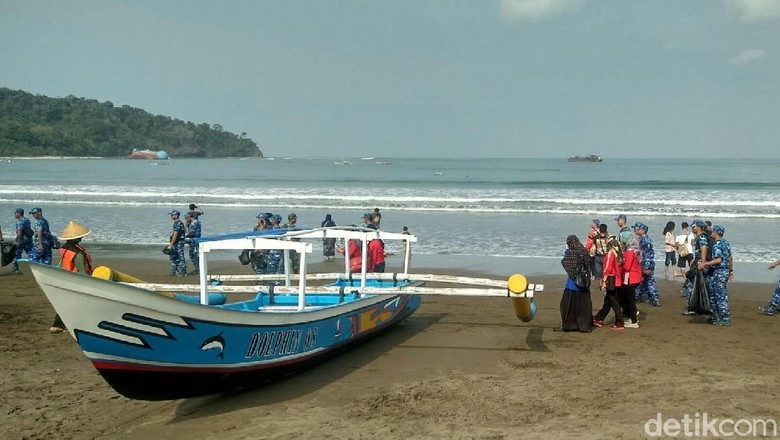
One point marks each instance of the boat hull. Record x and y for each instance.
(144, 383)
(153, 347)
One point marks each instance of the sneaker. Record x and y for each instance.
(617, 328)
(688, 312)
(54, 330)
(181, 275)
(597, 323)
(766, 310)
(631, 325)
(722, 323)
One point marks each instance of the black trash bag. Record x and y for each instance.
(243, 257)
(699, 301)
(8, 253)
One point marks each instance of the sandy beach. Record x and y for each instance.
(460, 368)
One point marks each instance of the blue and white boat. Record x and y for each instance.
(153, 346)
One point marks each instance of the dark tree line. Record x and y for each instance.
(36, 125)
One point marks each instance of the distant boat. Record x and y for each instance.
(438, 173)
(587, 158)
(342, 162)
(148, 154)
(367, 158)
(382, 162)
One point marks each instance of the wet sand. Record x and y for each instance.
(460, 368)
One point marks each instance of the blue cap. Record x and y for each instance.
(719, 229)
(640, 225)
(192, 214)
(35, 210)
(699, 223)
(174, 212)
(596, 221)
(277, 218)
(367, 215)
(261, 215)
(19, 211)
(621, 216)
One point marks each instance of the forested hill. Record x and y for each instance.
(36, 125)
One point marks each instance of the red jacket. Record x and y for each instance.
(376, 254)
(612, 268)
(631, 268)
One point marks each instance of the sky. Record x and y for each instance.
(422, 78)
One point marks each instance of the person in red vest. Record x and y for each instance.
(73, 257)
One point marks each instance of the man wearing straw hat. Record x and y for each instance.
(73, 257)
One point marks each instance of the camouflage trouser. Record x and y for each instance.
(775, 301)
(274, 261)
(194, 257)
(719, 295)
(40, 256)
(648, 287)
(688, 288)
(23, 247)
(259, 261)
(178, 263)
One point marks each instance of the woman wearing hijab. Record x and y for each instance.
(328, 244)
(576, 306)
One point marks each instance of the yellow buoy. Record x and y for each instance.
(525, 308)
(107, 273)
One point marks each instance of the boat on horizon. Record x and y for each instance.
(156, 342)
(148, 154)
(586, 158)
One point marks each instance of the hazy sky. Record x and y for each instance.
(471, 78)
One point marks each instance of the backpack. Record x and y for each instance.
(582, 276)
(682, 248)
(28, 232)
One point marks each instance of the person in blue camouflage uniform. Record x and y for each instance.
(259, 258)
(295, 257)
(176, 246)
(23, 237)
(717, 277)
(647, 286)
(192, 222)
(275, 255)
(774, 302)
(701, 246)
(41, 240)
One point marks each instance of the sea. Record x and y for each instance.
(498, 215)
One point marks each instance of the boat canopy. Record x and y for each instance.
(289, 240)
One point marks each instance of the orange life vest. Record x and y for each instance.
(68, 256)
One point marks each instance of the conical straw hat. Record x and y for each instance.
(73, 231)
